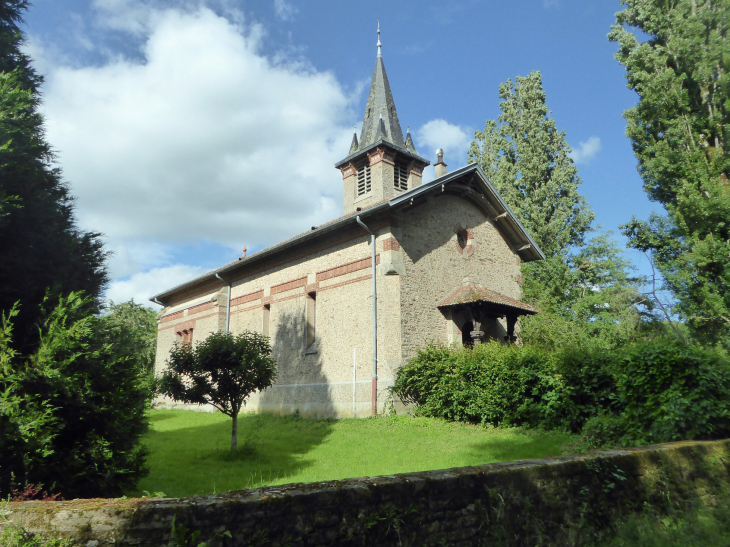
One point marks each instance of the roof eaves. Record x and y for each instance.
(296, 240)
(380, 143)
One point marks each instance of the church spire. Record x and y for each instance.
(380, 105)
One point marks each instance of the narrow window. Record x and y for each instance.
(311, 317)
(266, 314)
(400, 176)
(363, 178)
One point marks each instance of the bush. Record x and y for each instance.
(492, 384)
(588, 383)
(670, 391)
(655, 391)
(74, 410)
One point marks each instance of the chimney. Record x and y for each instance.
(440, 166)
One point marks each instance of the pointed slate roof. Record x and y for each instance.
(380, 105)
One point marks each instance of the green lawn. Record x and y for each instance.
(190, 451)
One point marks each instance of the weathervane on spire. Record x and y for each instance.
(379, 39)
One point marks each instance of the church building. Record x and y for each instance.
(347, 303)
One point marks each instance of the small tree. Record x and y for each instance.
(222, 371)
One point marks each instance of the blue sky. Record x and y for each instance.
(188, 129)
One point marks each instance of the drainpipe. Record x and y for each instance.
(228, 302)
(158, 302)
(374, 395)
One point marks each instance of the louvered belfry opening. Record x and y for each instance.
(400, 176)
(364, 183)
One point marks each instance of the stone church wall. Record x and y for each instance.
(435, 267)
(316, 380)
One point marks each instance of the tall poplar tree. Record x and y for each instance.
(679, 130)
(586, 291)
(527, 159)
(41, 248)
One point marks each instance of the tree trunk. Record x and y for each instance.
(234, 433)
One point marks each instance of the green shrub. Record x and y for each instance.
(670, 391)
(493, 384)
(74, 410)
(655, 391)
(589, 385)
(602, 431)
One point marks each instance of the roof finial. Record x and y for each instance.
(379, 39)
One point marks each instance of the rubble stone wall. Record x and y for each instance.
(511, 503)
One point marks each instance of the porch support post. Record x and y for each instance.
(511, 321)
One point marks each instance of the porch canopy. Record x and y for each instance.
(480, 303)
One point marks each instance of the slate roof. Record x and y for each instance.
(380, 106)
(471, 293)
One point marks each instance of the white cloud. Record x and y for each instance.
(143, 285)
(200, 138)
(586, 150)
(453, 139)
(285, 10)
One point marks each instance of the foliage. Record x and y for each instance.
(135, 330)
(505, 385)
(189, 456)
(655, 391)
(679, 131)
(74, 409)
(183, 537)
(675, 524)
(527, 159)
(223, 371)
(41, 246)
(13, 536)
(670, 391)
(33, 492)
(590, 299)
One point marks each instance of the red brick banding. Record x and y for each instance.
(201, 307)
(347, 268)
(250, 297)
(289, 285)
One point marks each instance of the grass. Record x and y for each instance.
(708, 526)
(190, 451)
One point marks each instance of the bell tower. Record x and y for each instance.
(382, 163)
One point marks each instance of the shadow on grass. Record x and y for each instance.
(196, 460)
(525, 448)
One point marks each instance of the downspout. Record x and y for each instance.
(228, 302)
(158, 302)
(374, 394)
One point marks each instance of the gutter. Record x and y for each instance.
(374, 392)
(228, 302)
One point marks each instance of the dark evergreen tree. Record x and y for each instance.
(41, 248)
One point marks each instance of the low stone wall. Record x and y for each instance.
(513, 503)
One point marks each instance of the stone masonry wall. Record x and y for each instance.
(435, 267)
(316, 380)
(511, 503)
